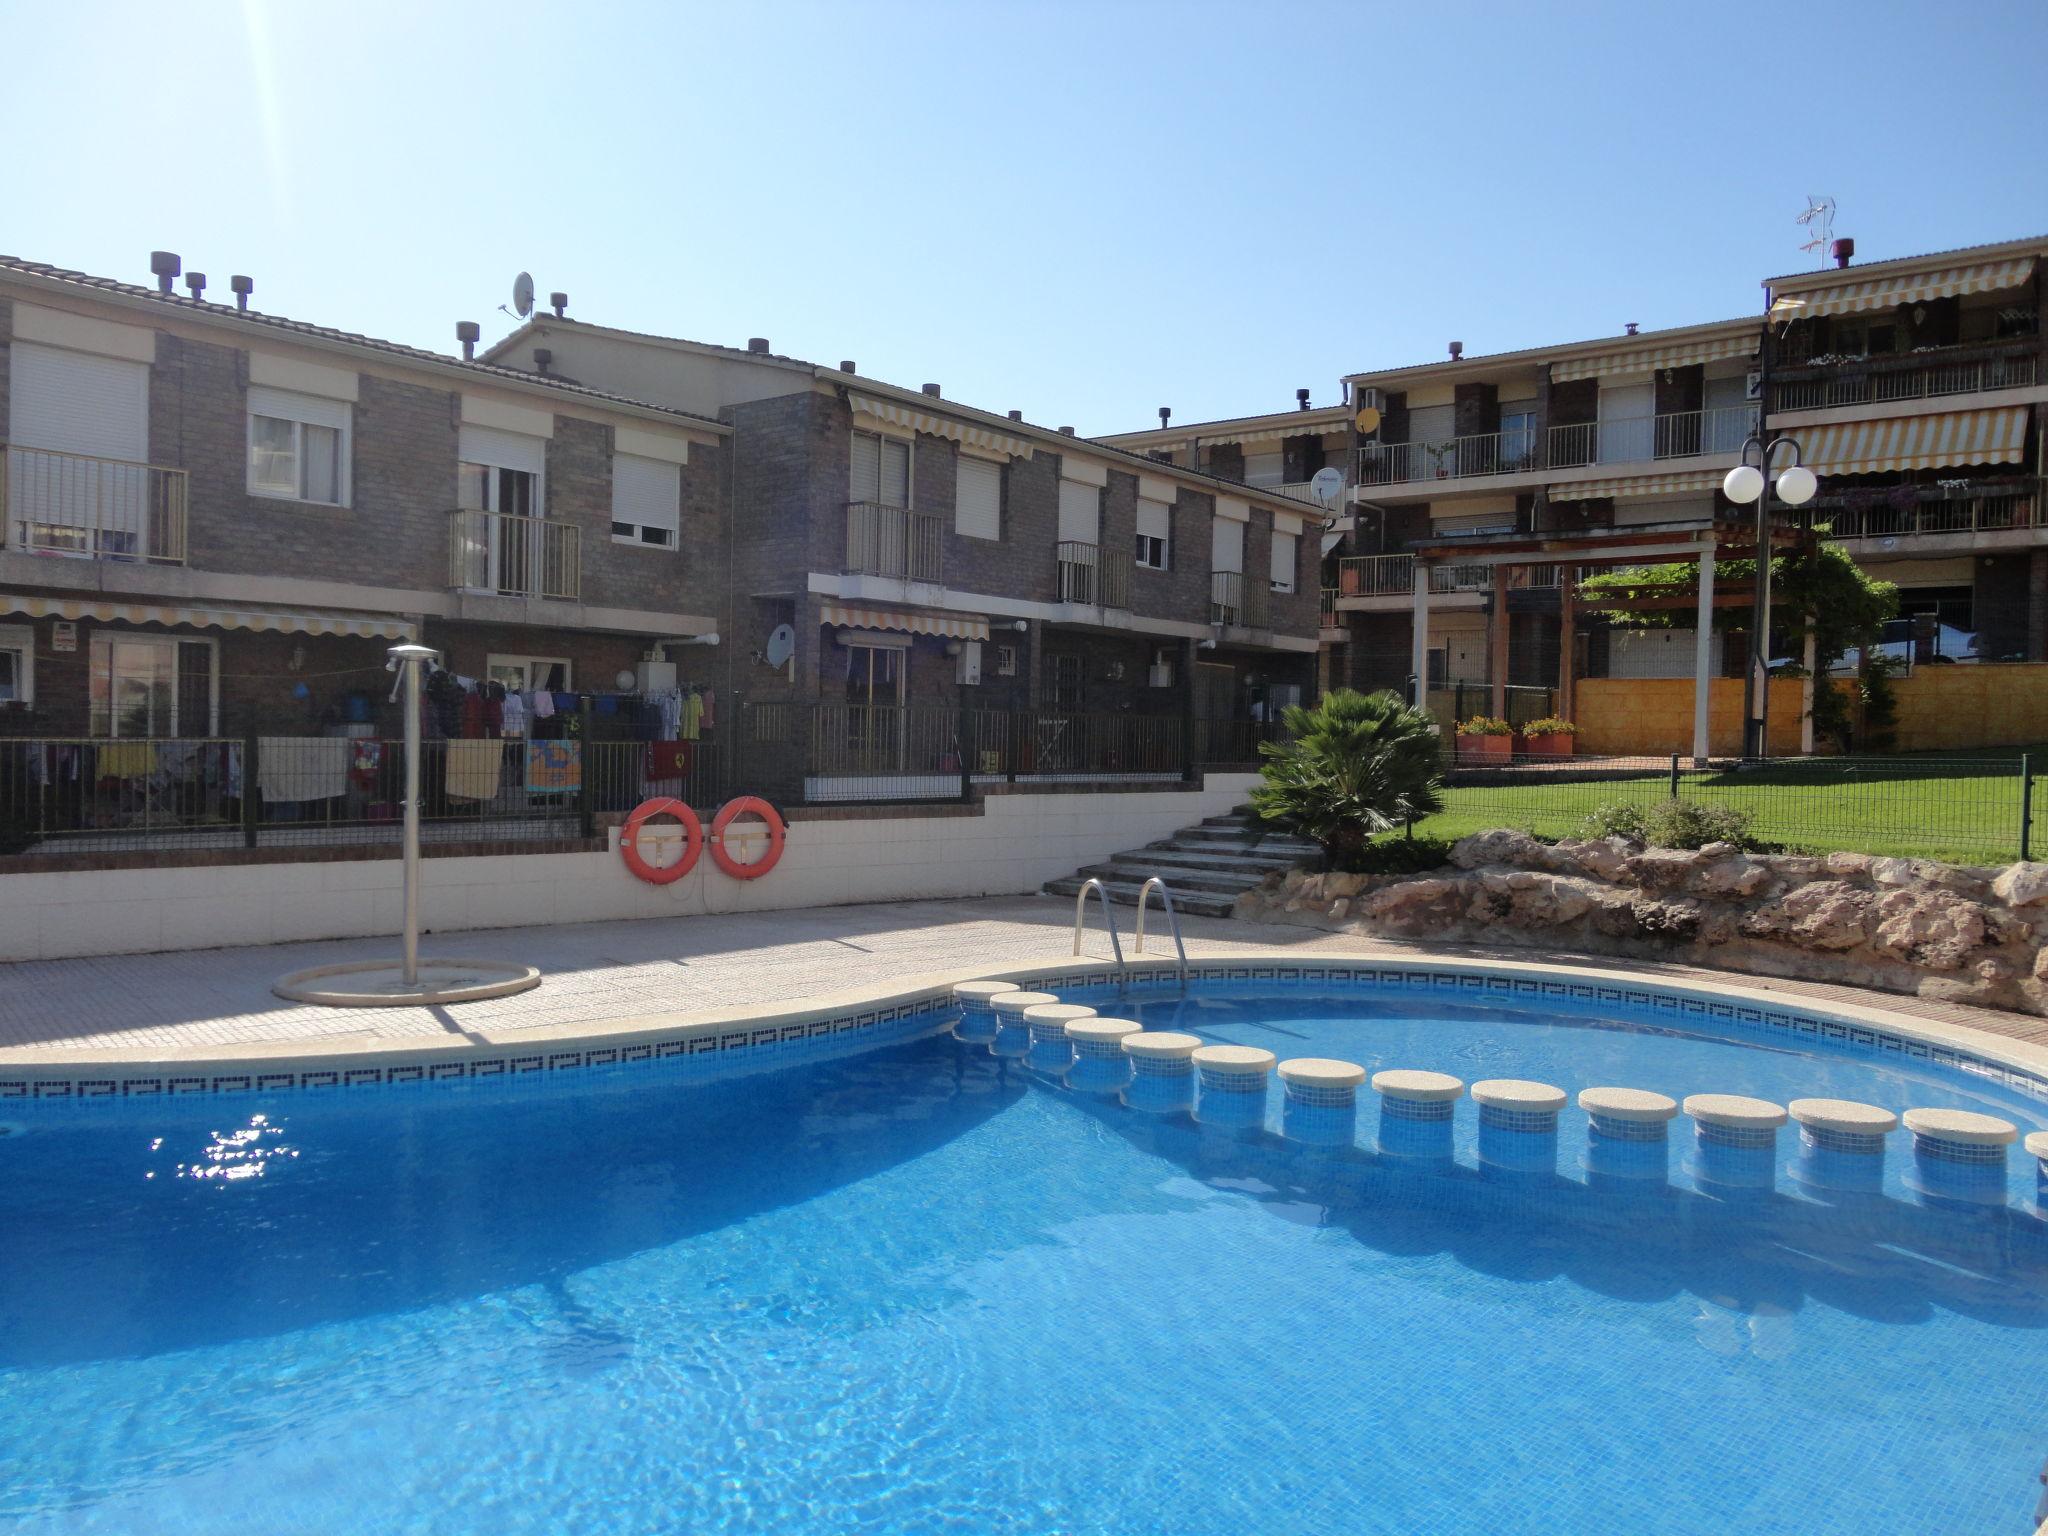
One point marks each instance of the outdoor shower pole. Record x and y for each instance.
(410, 657)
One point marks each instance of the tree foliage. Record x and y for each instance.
(1353, 766)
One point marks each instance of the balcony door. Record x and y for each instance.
(77, 469)
(1627, 423)
(501, 547)
(875, 680)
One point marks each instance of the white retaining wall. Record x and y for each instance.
(1017, 844)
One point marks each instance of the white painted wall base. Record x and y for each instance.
(1016, 845)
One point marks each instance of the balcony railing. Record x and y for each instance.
(1326, 609)
(1928, 511)
(1297, 491)
(1636, 439)
(1451, 458)
(894, 541)
(1923, 375)
(1238, 603)
(1394, 576)
(514, 556)
(107, 509)
(1090, 574)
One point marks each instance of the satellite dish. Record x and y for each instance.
(1368, 421)
(781, 645)
(1326, 485)
(522, 295)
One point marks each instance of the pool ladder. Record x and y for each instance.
(1123, 968)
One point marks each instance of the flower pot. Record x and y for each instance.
(1485, 749)
(1558, 744)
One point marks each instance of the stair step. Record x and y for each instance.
(1208, 856)
(1222, 882)
(1125, 894)
(1226, 837)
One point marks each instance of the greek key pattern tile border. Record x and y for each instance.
(739, 1049)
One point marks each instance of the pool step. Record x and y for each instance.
(1206, 867)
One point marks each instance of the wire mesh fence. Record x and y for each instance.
(1965, 810)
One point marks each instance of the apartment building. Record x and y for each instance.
(892, 547)
(213, 521)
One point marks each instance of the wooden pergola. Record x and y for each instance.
(1707, 540)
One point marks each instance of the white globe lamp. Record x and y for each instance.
(1796, 485)
(1744, 483)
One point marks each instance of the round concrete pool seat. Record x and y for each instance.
(1010, 1006)
(2037, 1146)
(1960, 1135)
(1049, 1021)
(1843, 1125)
(981, 994)
(382, 983)
(1233, 1068)
(1321, 1080)
(1628, 1114)
(1517, 1104)
(1162, 1053)
(1408, 1094)
(1731, 1120)
(1097, 1036)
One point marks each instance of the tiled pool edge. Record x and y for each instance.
(766, 1038)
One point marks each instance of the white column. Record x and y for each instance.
(1703, 657)
(1812, 683)
(1418, 659)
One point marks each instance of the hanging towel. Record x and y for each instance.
(473, 769)
(669, 759)
(553, 767)
(293, 768)
(693, 716)
(543, 705)
(127, 759)
(515, 715)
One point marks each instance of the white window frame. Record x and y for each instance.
(882, 442)
(177, 728)
(344, 449)
(526, 666)
(20, 639)
(1164, 541)
(638, 536)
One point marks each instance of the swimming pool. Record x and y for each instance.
(925, 1289)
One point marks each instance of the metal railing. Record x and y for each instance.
(1237, 603)
(1634, 439)
(1921, 375)
(1326, 608)
(108, 509)
(894, 541)
(514, 556)
(1980, 511)
(1090, 574)
(1453, 458)
(1299, 490)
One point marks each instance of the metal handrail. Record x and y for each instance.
(1172, 917)
(1108, 921)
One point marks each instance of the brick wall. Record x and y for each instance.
(1475, 409)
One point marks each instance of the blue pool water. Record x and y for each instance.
(925, 1290)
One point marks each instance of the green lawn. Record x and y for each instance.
(1964, 808)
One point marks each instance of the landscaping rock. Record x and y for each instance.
(1501, 846)
(1847, 865)
(2022, 885)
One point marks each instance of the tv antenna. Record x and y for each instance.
(522, 297)
(1819, 221)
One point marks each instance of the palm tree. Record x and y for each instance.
(1353, 766)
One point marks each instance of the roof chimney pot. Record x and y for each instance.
(757, 343)
(467, 332)
(1301, 398)
(1457, 350)
(1631, 327)
(166, 265)
(195, 284)
(846, 365)
(1165, 415)
(560, 302)
(242, 287)
(1016, 415)
(542, 356)
(1843, 249)
(1066, 431)
(931, 389)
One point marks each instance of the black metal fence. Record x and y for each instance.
(1965, 810)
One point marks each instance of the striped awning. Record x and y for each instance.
(1276, 433)
(1916, 442)
(1678, 483)
(1903, 288)
(952, 626)
(1682, 354)
(205, 616)
(911, 419)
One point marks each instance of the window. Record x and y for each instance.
(530, 674)
(1265, 468)
(881, 470)
(501, 472)
(151, 685)
(1226, 545)
(1286, 553)
(1006, 661)
(1080, 517)
(874, 674)
(298, 446)
(1517, 436)
(978, 501)
(646, 497)
(17, 664)
(1155, 532)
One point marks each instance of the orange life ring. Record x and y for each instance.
(629, 841)
(730, 812)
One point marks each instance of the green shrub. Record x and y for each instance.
(1393, 854)
(1485, 725)
(1670, 824)
(1353, 766)
(1550, 725)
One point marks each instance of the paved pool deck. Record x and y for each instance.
(601, 972)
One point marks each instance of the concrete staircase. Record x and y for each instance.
(1206, 867)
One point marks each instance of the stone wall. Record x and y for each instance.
(1912, 926)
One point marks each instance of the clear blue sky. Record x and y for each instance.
(1086, 211)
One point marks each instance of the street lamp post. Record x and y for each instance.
(1753, 482)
